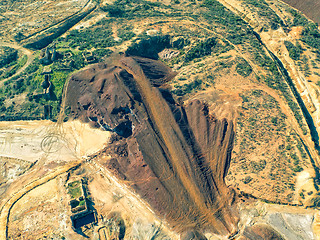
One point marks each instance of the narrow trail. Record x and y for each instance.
(26, 51)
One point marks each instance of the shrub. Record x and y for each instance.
(188, 88)
(149, 46)
(202, 49)
(7, 55)
(294, 52)
(247, 179)
(113, 10)
(243, 68)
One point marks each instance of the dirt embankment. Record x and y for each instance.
(175, 156)
(46, 36)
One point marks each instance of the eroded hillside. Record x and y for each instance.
(175, 156)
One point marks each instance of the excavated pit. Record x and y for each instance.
(175, 157)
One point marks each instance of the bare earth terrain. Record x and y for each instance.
(159, 120)
(23, 17)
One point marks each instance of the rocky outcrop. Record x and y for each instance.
(175, 156)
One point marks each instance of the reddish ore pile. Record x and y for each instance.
(176, 157)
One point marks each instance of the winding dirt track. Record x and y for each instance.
(27, 52)
(284, 107)
(6, 208)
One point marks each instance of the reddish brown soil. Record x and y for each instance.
(175, 156)
(310, 8)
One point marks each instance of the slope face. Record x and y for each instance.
(176, 157)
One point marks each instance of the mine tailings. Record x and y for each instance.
(176, 156)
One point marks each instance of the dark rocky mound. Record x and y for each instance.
(176, 157)
(260, 232)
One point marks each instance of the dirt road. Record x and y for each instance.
(284, 107)
(5, 210)
(25, 51)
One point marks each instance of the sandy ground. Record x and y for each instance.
(293, 226)
(294, 223)
(35, 140)
(52, 149)
(29, 17)
(42, 209)
(37, 202)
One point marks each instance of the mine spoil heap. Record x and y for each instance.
(175, 156)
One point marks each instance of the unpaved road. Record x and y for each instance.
(77, 140)
(5, 211)
(25, 51)
(284, 107)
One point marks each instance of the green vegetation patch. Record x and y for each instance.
(74, 189)
(243, 68)
(149, 46)
(97, 36)
(28, 89)
(298, 18)
(74, 184)
(7, 56)
(188, 88)
(82, 202)
(311, 36)
(204, 48)
(74, 192)
(272, 20)
(294, 51)
(232, 26)
(135, 9)
(310, 33)
(13, 69)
